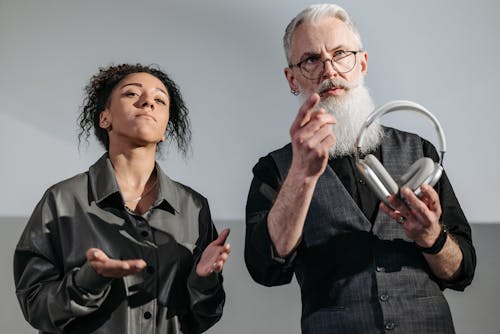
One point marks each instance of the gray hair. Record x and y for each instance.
(314, 13)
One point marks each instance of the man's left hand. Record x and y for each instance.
(419, 216)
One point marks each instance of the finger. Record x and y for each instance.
(120, 268)
(317, 121)
(431, 197)
(307, 108)
(305, 112)
(116, 265)
(223, 257)
(322, 133)
(386, 209)
(135, 265)
(329, 140)
(399, 205)
(111, 268)
(95, 254)
(311, 137)
(221, 239)
(400, 212)
(419, 210)
(218, 265)
(411, 200)
(419, 204)
(394, 214)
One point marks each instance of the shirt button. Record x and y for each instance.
(361, 181)
(150, 269)
(144, 234)
(384, 297)
(389, 326)
(148, 315)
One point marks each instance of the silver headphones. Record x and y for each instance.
(422, 171)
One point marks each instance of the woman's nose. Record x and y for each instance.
(146, 101)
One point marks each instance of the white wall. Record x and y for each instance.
(227, 58)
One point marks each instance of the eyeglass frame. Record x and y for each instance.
(291, 66)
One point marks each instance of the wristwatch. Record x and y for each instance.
(438, 244)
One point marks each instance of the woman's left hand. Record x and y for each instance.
(214, 256)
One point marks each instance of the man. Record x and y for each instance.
(362, 266)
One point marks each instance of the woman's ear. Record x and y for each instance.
(105, 119)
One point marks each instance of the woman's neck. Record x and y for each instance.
(133, 165)
(136, 177)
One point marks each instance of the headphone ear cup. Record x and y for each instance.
(420, 172)
(377, 177)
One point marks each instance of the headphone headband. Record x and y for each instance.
(396, 106)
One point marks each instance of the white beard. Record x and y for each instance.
(351, 111)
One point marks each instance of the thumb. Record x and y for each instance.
(221, 239)
(95, 254)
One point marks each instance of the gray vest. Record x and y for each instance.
(359, 277)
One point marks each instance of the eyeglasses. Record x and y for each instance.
(313, 67)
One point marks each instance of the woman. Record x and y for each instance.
(122, 248)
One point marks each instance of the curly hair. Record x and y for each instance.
(99, 89)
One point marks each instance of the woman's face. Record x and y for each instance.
(137, 113)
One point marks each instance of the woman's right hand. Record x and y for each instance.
(112, 268)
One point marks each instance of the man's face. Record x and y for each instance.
(325, 40)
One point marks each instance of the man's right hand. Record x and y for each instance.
(112, 268)
(312, 136)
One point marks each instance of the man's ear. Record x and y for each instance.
(292, 81)
(364, 62)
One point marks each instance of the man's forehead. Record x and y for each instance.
(328, 33)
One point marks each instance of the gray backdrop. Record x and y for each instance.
(228, 60)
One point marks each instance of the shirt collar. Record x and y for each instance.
(169, 190)
(104, 185)
(102, 179)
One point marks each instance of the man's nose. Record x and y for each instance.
(329, 69)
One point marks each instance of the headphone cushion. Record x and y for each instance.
(381, 173)
(418, 173)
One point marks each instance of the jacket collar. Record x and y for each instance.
(105, 187)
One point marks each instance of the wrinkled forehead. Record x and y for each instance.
(324, 34)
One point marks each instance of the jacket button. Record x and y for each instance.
(389, 326)
(147, 315)
(384, 297)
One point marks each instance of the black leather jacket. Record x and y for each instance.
(60, 293)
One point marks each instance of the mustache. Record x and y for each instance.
(335, 83)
